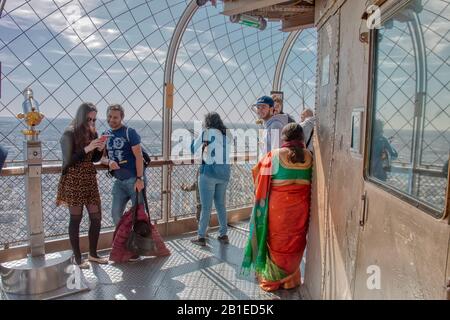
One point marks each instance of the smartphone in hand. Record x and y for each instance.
(105, 137)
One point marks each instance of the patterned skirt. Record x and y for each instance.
(78, 186)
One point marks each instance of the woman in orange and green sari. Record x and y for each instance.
(280, 216)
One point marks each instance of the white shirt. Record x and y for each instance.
(276, 123)
(308, 126)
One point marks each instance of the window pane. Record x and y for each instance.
(410, 130)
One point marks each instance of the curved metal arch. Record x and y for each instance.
(282, 58)
(169, 69)
(420, 54)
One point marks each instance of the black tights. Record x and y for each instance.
(95, 218)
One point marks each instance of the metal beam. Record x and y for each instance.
(168, 102)
(420, 54)
(2, 6)
(241, 6)
(300, 21)
(282, 58)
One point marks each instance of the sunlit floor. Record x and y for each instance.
(190, 272)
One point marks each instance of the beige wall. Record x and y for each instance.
(409, 246)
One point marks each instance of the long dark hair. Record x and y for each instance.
(82, 133)
(294, 132)
(213, 121)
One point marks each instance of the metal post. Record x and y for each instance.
(33, 190)
(168, 91)
(39, 275)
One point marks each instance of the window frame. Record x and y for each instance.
(388, 13)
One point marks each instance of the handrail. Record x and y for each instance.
(56, 168)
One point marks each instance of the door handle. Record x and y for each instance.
(362, 217)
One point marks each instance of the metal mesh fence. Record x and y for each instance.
(112, 51)
(299, 77)
(77, 50)
(239, 189)
(430, 189)
(13, 225)
(397, 77)
(223, 67)
(411, 99)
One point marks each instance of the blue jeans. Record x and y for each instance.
(122, 192)
(212, 189)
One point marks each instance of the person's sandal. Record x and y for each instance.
(83, 265)
(98, 260)
(134, 258)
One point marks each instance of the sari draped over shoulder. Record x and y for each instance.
(279, 220)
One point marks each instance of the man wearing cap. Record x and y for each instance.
(273, 124)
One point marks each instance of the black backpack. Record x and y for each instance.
(145, 155)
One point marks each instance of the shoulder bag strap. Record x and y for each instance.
(310, 137)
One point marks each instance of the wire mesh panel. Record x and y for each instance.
(299, 77)
(112, 51)
(431, 189)
(13, 223)
(239, 189)
(56, 219)
(153, 188)
(223, 67)
(436, 140)
(411, 127)
(71, 51)
(183, 203)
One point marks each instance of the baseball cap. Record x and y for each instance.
(264, 100)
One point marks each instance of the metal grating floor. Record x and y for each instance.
(190, 272)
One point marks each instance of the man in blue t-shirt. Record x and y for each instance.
(124, 158)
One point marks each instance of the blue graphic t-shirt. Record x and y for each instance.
(119, 150)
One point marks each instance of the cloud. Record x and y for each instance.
(145, 52)
(69, 20)
(113, 70)
(209, 52)
(7, 24)
(172, 29)
(189, 67)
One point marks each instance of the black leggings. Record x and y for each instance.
(95, 218)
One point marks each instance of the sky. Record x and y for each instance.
(396, 73)
(115, 51)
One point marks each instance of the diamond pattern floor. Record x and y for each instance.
(190, 272)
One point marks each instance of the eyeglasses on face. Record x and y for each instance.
(91, 119)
